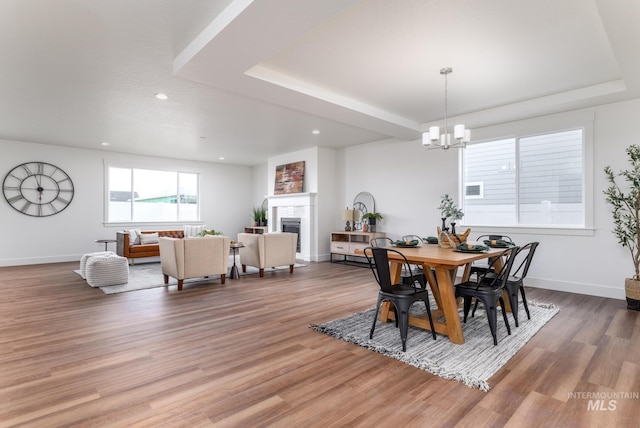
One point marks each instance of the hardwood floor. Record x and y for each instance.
(242, 354)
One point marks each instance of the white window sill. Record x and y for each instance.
(529, 230)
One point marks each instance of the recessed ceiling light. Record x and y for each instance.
(104, 143)
(162, 96)
(221, 158)
(315, 132)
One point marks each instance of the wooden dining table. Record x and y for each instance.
(445, 262)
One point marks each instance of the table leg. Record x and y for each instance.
(449, 304)
(234, 269)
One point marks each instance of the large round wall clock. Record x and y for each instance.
(38, 189)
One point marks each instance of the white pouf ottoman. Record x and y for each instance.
(85, 257)
(107, 269)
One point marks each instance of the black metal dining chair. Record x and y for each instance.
(515, 282)
(412, 238)
(489, 291)
(401, 296)
(482, 267)
(416, 268)
(381, 242)
(406, 276)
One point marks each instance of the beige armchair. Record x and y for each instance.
(194, 257)
(268, 250)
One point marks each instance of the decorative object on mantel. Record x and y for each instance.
(449, 210)
(362, 204)
(434, 140)
(289, 178)
(626, 218)
(371, 218)
(347, 215)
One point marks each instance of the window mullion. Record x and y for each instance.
(517, 166)
(133, 199)
(178, 196)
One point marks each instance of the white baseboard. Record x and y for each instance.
(578, 288)
(40, 260)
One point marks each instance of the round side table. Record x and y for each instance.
(106, 242)
(234, 269)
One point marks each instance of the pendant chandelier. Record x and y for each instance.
(433, 139)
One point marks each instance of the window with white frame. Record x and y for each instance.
(143, 195)
(527, 181)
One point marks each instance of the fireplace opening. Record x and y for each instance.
(292, 225)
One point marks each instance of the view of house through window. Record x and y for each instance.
(530, 181)
(142, 195)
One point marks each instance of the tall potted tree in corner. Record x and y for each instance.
(625, 202)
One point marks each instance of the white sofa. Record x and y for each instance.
(194, 257)
(268, 250)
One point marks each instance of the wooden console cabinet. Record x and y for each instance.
(346, 243)
(256, 230)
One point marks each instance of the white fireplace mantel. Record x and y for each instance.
(300, 205)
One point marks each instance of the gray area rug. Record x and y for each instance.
(149, 275)
(471, 363)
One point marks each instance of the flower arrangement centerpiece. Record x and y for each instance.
(449, 211)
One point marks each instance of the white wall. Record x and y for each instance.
(407, 182)
(328, 199)
(225, 190)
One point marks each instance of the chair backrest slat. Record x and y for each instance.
(528, 249)
(381, 242)
(494, 237)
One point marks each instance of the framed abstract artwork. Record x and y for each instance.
(289, 178)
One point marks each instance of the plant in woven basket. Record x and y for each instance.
(625, 202)
(449, 210)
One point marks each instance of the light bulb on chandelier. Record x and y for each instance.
(432, 139)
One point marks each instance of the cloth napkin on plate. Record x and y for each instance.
(411, 243)
(470, 247)
(498, 243)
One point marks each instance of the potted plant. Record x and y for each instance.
(372, 218)
(257, 214)
(626, 218)
(263, 217)
(449, 210)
